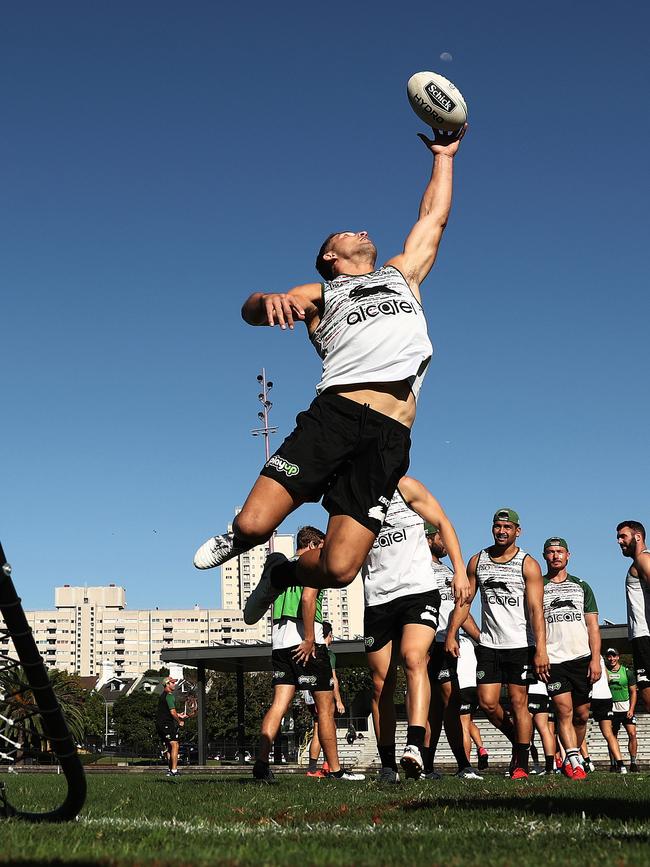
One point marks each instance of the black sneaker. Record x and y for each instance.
(634, 768)
(483, 761)
(263, 774)
(387, 775)
(265, 593)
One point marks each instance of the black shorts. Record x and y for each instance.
(167, 732)
(384, 623)
(505, 666)
(442, 666)
(468, 700)
(620, 718)
(537, 703)
(348, 454)
(641, 655)
(316, 675)
(601, 709)
(570, 676)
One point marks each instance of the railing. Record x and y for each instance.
(55, 728)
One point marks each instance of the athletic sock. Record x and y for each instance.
(313, 765)
(283, 574)
(387, 756)
(427, 758)
(620, 763)
(632, 759)
(508, 729)
(573, 757)
(534, 754)
(521, 756)
(549, 764)
(415, 736)
(338, 773)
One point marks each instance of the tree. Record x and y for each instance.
(134, 719)
(94, 717)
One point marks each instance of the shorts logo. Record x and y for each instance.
(369, 641)
(282, 466)
(553, 687)
(378, 512)
(480, 675)
(444, 672)
(307, 678)
(278, 674)
(429, 615)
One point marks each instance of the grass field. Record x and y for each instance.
(138, 818)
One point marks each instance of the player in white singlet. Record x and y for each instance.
(402, 601)
(352, 445)
(511, 646)
(631, 538)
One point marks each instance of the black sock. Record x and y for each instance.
(338, 773)
(427, 758)
(619, 763)
(549, 764)
(313, 765)
(260, 768)
(415, 736)
(387, 756)
(521, 753)
(283, 574)
(507, 729)
(534, 754)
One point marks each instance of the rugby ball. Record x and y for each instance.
(437, 101)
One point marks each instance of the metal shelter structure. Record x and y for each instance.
(241, 658)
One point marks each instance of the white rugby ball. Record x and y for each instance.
(437, 101)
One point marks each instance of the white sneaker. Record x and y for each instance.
(217, 550)
(468, 774)
(411, 762)
(264, 594)
(349, 776)
(622, 770)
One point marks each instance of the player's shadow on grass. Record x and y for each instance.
(214, 780)
(593, 808)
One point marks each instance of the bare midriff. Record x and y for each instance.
(394, 399)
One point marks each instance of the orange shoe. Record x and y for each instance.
(519, 774)
(567, 770)
(326, 768)
(318, 774)
(579, 773)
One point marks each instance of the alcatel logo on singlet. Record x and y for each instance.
(563, 616)
(388, 307)
(493, 598)
(388, 539)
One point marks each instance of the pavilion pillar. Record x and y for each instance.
(203, 734)
(241, 705)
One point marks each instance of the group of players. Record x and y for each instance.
(351, 449)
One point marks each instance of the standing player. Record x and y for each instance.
(168, 724)
(402, 602)
(631, 538)
(351, 446)
(512, 640)
(466, 673)
(622, 684)
(602, 710)
(573, 645)
(314, 746)
(538, 707)
(300, 660)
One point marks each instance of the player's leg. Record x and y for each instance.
(580, 718)
(489, 695)
(540, 721)
(434, 729)
(632, 743)
(454, 729)
(314, 745)
(564, 715)
(415, 642)
(383, 670)
(324, 699)
(283, 694)
(173, 756)
(607, 731)
(644, 694)
(474, 733)
(523, 725)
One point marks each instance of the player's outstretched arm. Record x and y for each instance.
(425, 504)
(282, 308)
(642, 564)
(460, 616)
(535, 603)
(421, 246)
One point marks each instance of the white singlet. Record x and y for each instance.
(601, 688)
(466, 670)
(372, 330)
(444, 577)
(399, 562)
(504, 614)
(637, 592)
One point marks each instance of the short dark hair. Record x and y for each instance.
(308, 534)
(327, 628)
(324, 266)
(635, 526)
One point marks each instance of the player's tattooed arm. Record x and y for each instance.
(593, 632)
(427, 507)
(460, 616)
(307, 646)
(283, 308)
(535, 603)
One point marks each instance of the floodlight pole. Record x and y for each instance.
(263, 415)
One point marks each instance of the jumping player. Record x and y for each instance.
(402, 602)
(168, 723)
(351, 446)
(573, 645)
(512, 639)
(630, 535)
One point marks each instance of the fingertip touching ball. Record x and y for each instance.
(437, 101)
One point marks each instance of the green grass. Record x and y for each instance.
(146, 818)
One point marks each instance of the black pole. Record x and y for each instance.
(202, 731)
(55, 728)
(241, 705)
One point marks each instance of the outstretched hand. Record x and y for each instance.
(443, 142)
(283, 309)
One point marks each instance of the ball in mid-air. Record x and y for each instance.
(437, 101)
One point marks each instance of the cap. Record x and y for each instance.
(556, 542)
(611, 650)
(171, 679)
(506, 515)
(430, 529)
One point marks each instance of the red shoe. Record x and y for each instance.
(579, 773)
(326, 768)
(318, 774)
(519, 774)
(567, 770)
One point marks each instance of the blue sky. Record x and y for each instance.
(160, 161)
